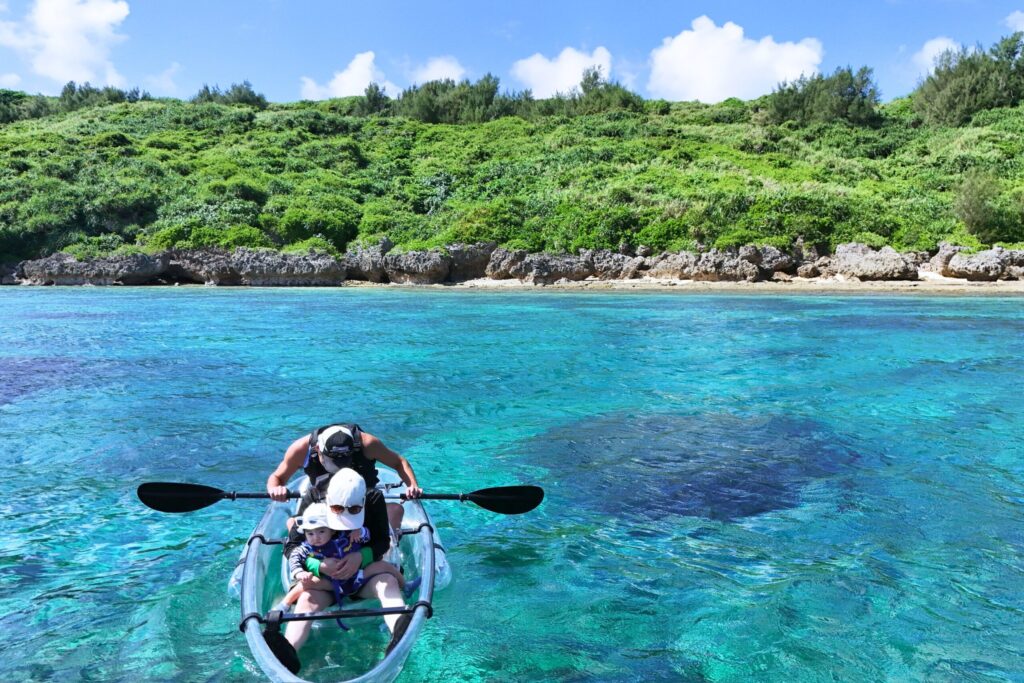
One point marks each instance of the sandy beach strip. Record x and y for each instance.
(929, 284)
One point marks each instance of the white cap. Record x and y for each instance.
(317, 516)
(347, 488)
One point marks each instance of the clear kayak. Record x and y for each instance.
(261, 580)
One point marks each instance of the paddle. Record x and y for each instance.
(505, 500)
(171, 497)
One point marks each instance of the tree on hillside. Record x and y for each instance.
(446, 101)
(11, 103)
(238, 93)
(427, 102)
(598, 94)
(375, 101)
(965, 82)
(450, 102)
(74, 96)
(843, 96)
(16, 106)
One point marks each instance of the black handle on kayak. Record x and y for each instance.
(172, 497)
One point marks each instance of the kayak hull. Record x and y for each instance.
(261, 580)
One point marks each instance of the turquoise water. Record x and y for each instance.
(739, 488)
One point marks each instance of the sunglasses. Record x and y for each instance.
(352, 509)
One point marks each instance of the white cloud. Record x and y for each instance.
(924, 59)
(359, 73)
(711, 63)
(1015, 21)
(9, 80)
(69, 40)
(163, 82)
(628, 73)
(546, 77)
(437, 69)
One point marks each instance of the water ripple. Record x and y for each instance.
(738, 488)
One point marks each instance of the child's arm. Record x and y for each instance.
(297, 563)
(293, 594)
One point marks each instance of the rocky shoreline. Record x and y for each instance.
(483, 263)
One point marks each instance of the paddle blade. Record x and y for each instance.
(283, 650)
(168, 497)
(508, 500)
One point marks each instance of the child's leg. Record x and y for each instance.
(296, 590)
(310, 600)
(292, 595)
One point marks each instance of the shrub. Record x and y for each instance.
(238, 187)
(167, 238)
(871, 239)
(665, 234)
(574, 226)
(731, 110)
(389, 218)
(244, 236)
(314, 244)
(337, 225)
(657, 107)
(742, 237)
(202, 238)
(500, 220)
(95, 247)
(975, 205)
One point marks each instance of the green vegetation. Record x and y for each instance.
(100, 171)
(238, 93)
(843, 96)
(966, 82)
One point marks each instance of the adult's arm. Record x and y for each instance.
(289, 465)
(341, 568)
(374, 448)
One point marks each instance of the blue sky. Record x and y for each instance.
(312, 49)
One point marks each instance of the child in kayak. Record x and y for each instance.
(337, 534)
(322, 542)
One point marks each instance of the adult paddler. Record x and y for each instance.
(327, 450)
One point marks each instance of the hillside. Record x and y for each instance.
(151, 175)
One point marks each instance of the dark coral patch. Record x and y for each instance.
(22, 376)
(716, 466)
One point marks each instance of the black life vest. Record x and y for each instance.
(318, 474)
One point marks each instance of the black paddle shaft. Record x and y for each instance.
(173, 497)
